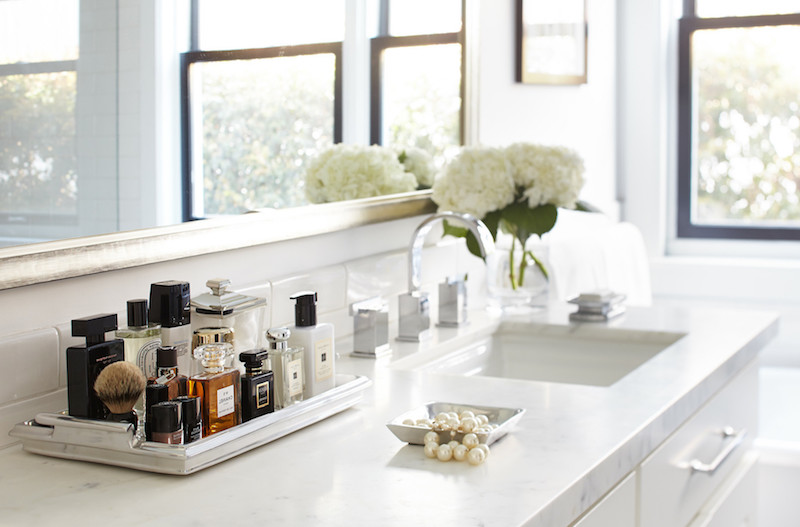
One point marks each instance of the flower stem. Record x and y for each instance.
(511, 263)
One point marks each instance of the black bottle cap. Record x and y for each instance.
(305, 308)
(167, 357)
(166, 417)
(137, 312)
(94, 327)
(170, 303)
(153, 394)
(253, 358)
(190, 412)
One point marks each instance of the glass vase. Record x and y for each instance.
(514, 285)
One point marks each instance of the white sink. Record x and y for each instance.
(587, 354)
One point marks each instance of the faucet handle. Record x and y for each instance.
(415, 319)
(370, 327)
(452, 302)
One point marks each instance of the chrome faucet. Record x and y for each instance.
(414, 306)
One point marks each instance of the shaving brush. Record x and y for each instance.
(119, 386)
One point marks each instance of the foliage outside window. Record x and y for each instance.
(739, 120)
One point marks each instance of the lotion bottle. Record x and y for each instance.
(317, 341)
(170, 307)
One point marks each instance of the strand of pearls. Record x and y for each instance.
(470, 448)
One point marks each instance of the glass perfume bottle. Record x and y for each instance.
(141, 339)
(258, 388)
(218, 388)
(287, 365)
(167, 371)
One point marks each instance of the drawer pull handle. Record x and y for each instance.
(736, 439)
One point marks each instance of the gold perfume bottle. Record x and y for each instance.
(218, 388)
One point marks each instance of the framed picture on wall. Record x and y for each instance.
(551, 41)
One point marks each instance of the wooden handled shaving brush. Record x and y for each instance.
(119, 386)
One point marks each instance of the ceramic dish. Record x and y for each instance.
(503, 418)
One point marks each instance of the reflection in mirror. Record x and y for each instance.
(95, 136)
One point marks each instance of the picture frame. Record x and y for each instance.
(552, 42)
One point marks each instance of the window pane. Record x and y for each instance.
(421, 98)
(38, 30)
(37, 145)
(715, 8)
(261, 119)
(424, 17)
(243, 24)
(747, 107)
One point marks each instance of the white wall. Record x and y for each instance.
(579, 116)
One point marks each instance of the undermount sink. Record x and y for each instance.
(582, 354)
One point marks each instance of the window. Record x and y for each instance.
(38, 158)
(263, 93)
(739, 120)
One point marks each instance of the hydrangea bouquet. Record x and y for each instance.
(516, 190)
(347, 171)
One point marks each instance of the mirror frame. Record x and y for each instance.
(48, 261)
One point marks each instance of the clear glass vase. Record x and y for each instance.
(514, 286)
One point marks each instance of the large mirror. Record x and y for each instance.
(121, 121)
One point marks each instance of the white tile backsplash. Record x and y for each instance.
(33, 358)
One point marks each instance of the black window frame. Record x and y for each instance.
(688, 24)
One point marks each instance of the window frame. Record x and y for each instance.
(688, 24)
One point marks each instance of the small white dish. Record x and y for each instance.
(503, 418)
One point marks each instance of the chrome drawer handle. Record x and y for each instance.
(736, 439)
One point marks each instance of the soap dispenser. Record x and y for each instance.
(317, 341)
(85, 362)
(244, 314)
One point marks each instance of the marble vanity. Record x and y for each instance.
(574, 444)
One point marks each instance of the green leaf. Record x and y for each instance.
(583, 206)
(463, 232)
(529, 221)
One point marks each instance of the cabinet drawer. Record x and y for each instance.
(617, 508)
(672, 492)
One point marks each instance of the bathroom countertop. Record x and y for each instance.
(572, 445)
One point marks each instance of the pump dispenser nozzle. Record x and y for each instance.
(305, 308)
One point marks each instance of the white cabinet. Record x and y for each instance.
(617, 508)
(680, 479)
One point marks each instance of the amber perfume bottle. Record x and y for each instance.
(167, 371)
(258, 391)
(287, 365)
(218, 388)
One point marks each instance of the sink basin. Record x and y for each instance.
(582, 354)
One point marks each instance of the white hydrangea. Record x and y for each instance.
(418, 162)
(347, 171)
(549, 174)
(478, 181)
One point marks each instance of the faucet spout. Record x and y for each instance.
(476, 226)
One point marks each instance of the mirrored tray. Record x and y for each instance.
(504, 418)
(64, 436)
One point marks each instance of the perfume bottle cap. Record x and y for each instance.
(94, 327)
(305, 308)
(166, 417)
(213, 355)
(167, 357)
(137, 313)
(153, 394)
(277, 338)
(210, 335)
(170, 303)
(252, 359)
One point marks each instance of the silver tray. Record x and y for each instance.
(504, 418)
(64, 436)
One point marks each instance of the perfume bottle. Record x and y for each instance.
(287, 366)
(166, 423)
(191, 417)
(140, 337)
(153, 394)
(169, 306)
(84, 364)
(244, 314)
(167, 371)
(317, 341)
(258, 391)
(218, 388)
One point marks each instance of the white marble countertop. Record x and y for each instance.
(571, 446)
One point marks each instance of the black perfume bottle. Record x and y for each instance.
(84, 364)
(258, 391)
